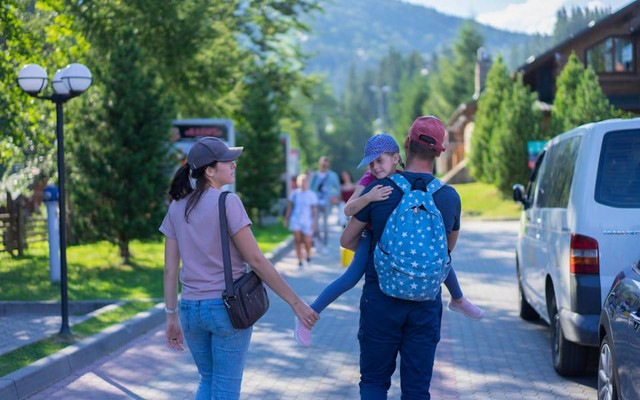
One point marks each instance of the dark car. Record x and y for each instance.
(619, 365)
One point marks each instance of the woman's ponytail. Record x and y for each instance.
(180, 184)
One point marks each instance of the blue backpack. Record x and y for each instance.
(411, 258)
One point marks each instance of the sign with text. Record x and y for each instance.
(196, 131)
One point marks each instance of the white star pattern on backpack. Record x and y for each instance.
(402, 271)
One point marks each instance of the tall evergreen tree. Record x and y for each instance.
(260, 166)
(570, 23)
(565, 114)
(520, 123)
(454, 83)
(488, 119)
(121, 169)
(579, 98)
(591, 100)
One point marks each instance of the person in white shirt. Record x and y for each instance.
(301, 217)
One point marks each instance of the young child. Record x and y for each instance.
(382, 154)
(301, 217)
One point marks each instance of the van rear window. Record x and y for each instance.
(618, 183)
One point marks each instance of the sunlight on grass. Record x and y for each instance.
(482, 200)
(95, 270)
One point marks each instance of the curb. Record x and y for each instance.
(77, 306)
(46, 371)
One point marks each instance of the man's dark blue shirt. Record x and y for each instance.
(377, 213)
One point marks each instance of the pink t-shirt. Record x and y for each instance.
(366, 179)
(202, 273)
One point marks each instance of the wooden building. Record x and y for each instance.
(609, 46)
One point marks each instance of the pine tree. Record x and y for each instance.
(520, 123)
(579, 98)
(488, 119)
(260, 166)
(121, 166)
(591, 101)
(565, 114)
(454, 83)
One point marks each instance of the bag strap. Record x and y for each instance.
(224, 238)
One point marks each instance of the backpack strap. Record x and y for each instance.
(434, 186)
(401, 182)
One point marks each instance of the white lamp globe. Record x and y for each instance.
(32, 78)
(77, 77)
(59, 86)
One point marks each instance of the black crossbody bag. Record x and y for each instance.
(245, 299)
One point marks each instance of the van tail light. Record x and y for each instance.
(584, 255)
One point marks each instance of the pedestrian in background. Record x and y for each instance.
(326, 185)
(192, 230)
(301, 216)
(347, 188)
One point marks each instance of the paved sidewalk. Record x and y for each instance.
(20, 329)
(501, 357)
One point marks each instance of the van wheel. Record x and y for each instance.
(527, 312)
(569, 359)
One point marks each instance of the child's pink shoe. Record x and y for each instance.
(302, 334)
(466, 308)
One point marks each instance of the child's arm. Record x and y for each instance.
(357, 202)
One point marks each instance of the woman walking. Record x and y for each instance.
(192, 230)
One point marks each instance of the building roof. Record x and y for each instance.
(609, 19)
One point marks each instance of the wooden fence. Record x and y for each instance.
(19, 228)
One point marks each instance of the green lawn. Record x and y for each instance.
(480, 200)
(95, 270)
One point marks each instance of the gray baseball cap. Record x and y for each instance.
(209, 149)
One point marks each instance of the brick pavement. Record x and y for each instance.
(500, 357)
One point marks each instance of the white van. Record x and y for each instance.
(579, 227)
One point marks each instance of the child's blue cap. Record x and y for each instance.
(376, 145)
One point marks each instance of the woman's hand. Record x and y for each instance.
(285, 222)
(305, 314)
(379, 192)
(173, 332)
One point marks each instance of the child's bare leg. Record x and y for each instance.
(307, 246)
(297, 239)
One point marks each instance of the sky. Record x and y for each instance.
(528, 16)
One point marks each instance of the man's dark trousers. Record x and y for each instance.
(389, 326)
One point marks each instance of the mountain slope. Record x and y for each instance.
(360, 32)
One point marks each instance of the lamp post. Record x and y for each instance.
(380, 91)
(69, 82)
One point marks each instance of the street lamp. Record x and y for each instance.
(69, 82)
(380, 91)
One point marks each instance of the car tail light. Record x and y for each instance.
(584, 255)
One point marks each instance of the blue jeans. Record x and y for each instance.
(388, 327)
(218, 349)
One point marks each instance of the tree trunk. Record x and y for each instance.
(125, 254)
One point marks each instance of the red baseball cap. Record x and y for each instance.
(428, 131)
